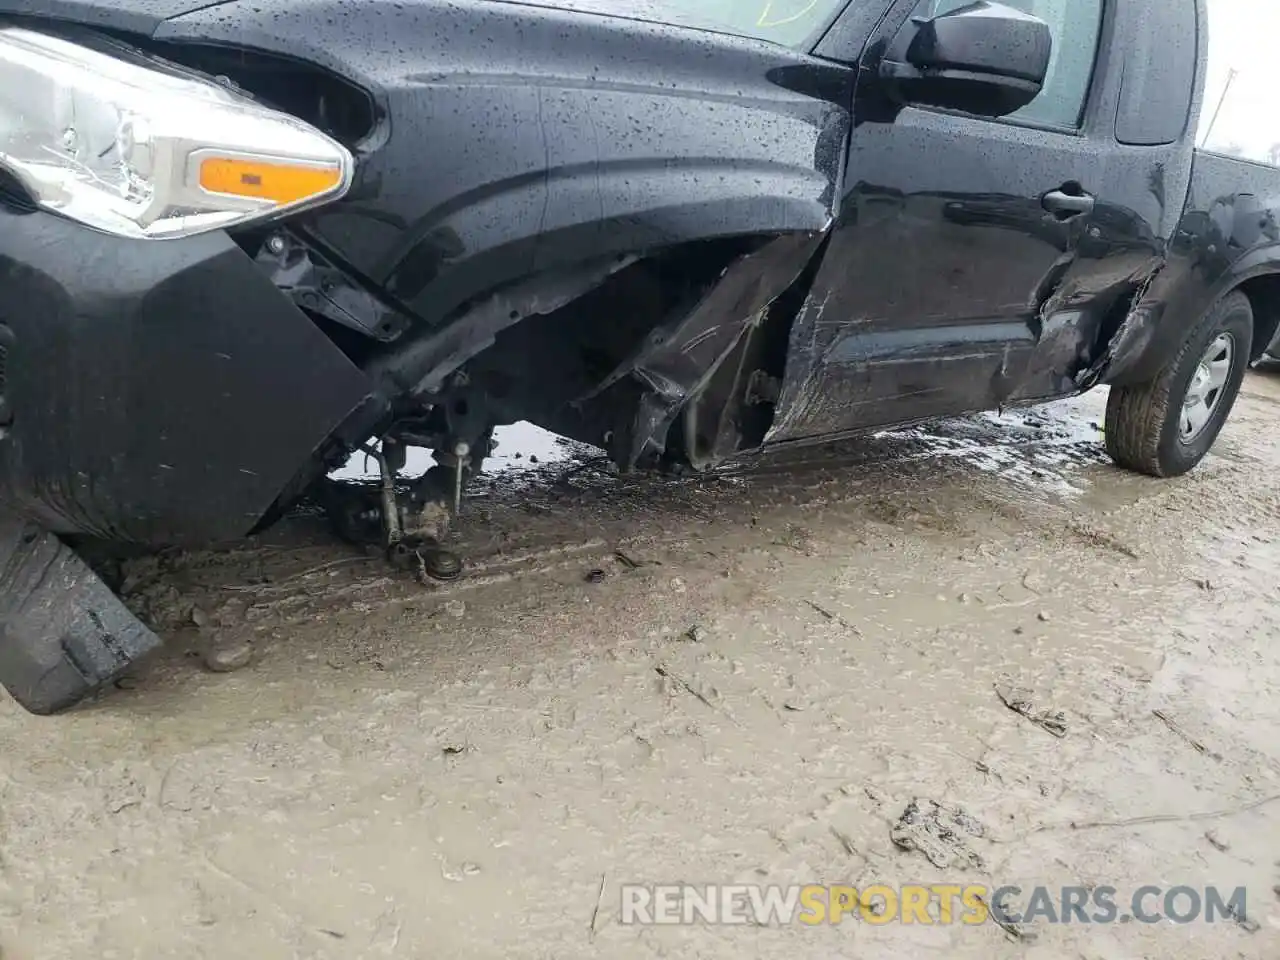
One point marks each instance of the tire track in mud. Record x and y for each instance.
(793, 656)
(576, 511)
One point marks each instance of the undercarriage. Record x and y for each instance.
(671, 363)
(409, 519)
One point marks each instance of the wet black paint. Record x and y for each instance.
(170, 392)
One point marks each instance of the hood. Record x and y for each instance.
(131, 16)
(789, 22)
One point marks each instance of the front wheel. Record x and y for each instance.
(1164, 428)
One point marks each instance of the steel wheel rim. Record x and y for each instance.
(1208, 386)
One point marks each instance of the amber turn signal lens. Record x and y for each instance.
(280, 183)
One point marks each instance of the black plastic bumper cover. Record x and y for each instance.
(63, 633)
(161, 392)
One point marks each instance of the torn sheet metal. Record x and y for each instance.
(679, 358)
(1133, 337)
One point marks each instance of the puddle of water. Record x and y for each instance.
(1039, 447)
(519, 447)
(1042, 448)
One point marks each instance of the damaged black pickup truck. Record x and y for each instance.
(241, 238)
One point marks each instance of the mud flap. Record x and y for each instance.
(63, 633)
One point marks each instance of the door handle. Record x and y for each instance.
(1065, 205)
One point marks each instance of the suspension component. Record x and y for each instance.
(393, 531)
(414, 526)
(461, 460)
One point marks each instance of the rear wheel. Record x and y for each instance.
(1164, 428)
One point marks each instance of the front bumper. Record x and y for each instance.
(154, 392)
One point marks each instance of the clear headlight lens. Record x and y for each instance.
(140, 152)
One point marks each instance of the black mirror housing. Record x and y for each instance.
(986, 59)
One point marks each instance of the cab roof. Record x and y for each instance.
(132, 16)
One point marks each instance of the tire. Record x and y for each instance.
(1145, 423)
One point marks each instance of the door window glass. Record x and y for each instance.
(1076, 25)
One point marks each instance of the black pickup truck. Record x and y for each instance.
(240, 238)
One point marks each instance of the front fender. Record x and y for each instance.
(574, 216)
(515, 139)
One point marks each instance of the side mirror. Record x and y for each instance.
(985, 58)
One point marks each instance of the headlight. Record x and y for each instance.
(136, 151)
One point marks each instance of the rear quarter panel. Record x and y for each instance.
(1228, 235)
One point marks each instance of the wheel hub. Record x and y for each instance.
(1207, 387)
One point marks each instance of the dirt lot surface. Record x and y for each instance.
(743, 678)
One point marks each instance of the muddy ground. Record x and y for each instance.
(776, 662)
